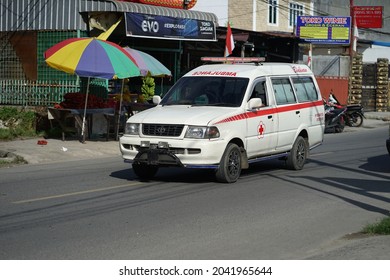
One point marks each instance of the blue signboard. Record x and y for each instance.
(324, 30)
(162, 27)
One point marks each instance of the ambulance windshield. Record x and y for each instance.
(207, 91)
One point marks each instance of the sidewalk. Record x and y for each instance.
(383, 116)
(57, 150)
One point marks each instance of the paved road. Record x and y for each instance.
(97, 209)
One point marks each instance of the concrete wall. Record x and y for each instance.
(329, 65)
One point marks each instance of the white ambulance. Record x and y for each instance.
(226, 116)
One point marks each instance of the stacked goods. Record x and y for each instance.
(356, 80)
(382, 86)
(147, 88)
(76, 100)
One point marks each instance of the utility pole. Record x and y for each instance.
(352, 15)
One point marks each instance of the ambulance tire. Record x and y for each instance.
(298, 154)
(230, 166)
(145, 171)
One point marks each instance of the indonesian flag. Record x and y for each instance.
(355, 35)
(229, 42)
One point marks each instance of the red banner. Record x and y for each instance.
(368, 16)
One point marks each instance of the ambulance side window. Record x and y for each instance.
(283, 90)
(260, 91)
(305, 89)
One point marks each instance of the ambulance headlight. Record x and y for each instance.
(202, 132)
(132, 128)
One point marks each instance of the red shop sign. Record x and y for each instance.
(368, 16)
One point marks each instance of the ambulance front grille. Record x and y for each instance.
(168, 130)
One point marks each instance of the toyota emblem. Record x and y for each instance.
(160, 129)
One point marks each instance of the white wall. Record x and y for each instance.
(370, 55)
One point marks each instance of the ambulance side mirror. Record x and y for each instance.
(254, 104)
(156, 99)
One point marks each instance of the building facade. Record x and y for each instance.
(271, 15)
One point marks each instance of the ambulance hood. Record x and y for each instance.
(183, 114)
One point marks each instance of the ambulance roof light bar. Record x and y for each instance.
(234, 59)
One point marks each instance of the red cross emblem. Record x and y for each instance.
(261, 130)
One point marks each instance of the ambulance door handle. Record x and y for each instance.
(270, 116)
(297, 112)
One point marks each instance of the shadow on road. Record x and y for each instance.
(170, 174)
(378, 164)
(364, 190)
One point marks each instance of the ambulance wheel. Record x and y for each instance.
(298, 154)
(145, 171)
(230, 166)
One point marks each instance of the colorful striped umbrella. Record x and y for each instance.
(147, 64)
(91, 57)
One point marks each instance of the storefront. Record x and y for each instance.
(28, 28)
(160, 31)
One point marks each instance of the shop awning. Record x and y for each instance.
(120, 6)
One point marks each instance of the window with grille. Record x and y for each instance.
(295, 10)
(273, 12)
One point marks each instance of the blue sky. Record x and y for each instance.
(218, 7)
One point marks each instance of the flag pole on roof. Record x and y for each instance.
(229, 41)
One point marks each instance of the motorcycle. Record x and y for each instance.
(354, 114)
(334, 118)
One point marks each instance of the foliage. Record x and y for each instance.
(148, 87)
(382, 227)
(16, 123)
(15, 160)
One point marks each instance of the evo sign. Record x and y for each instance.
(324, 30)
(163, 27)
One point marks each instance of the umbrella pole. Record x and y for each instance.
(85, 113)
(120, 110)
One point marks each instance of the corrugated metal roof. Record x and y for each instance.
(20, 15)
(119, 6)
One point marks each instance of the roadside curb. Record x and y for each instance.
(384, 116)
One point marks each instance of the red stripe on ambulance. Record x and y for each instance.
(264, 112)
